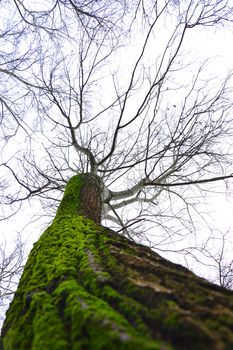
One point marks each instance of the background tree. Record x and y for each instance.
(11, 267)
(115, 90)
(222, 265)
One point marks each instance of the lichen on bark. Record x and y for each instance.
(86, 287)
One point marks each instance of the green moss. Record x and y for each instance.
(93, 319)
(71, 199)
(48, 329)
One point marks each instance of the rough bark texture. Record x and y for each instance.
(85, 287)
(83, 197)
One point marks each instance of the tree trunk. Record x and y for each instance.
(85, 287)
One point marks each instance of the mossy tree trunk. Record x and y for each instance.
(86, 287)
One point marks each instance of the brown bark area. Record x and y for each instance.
(90, 198)
(181, 308)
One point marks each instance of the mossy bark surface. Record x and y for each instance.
(86, 287)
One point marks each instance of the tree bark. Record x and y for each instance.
(86, 287)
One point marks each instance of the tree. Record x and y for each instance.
(224, 267)
(11, 267)
(86, 287)
(150, 126)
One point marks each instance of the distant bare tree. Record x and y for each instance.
(226, 275)
(224, 263)
(11, 267)
(217, 262)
